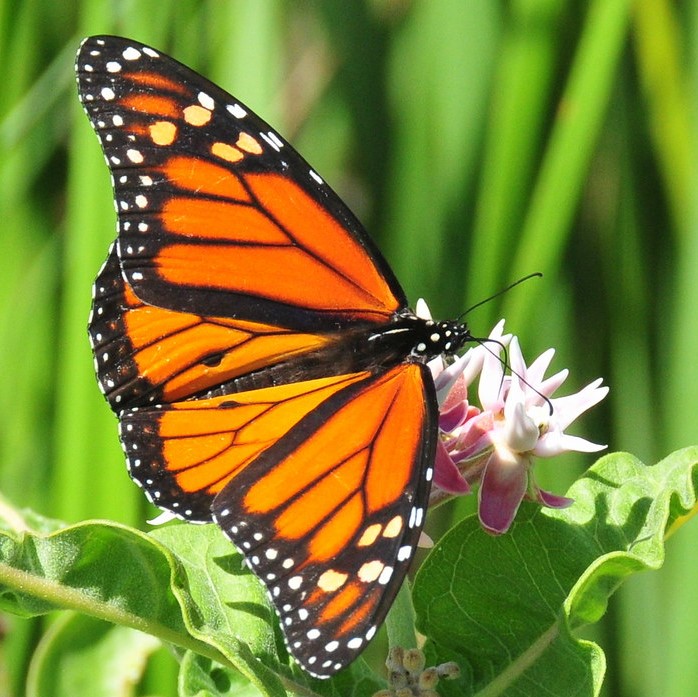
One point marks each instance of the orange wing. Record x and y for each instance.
(146, 354)
(184, 454)
(235, 267)
(321, 483)
(218, 215)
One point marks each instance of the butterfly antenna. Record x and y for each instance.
(484, 341)
(506, 289)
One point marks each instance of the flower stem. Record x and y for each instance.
(400, 620)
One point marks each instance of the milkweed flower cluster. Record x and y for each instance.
(409, 675)
(516, 419)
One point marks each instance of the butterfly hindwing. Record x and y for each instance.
(184, 454)
(333, 538)
(218, 215)
(146, 354)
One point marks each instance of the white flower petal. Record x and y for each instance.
(581, 445)
(537, 369)
(421, 309)
(567, 409)
(515, 396)
(497, 335)
(491, 388)
(520, 431)
(516, 359)
(436, 366)
(445, 379)
(556, 442)
(547, 387)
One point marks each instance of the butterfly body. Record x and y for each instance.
(259, 352)
(407, 337)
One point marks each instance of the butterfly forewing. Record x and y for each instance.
(218, 215)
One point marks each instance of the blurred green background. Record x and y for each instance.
(478, 140)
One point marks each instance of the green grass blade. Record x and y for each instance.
(559, 185)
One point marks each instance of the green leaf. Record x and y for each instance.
(224, 605)
(200, 677)
(508, 608)
(102, 569)
(184, 584)
(83, 657)
(123, 576)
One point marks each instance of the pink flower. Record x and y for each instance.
(517, 419)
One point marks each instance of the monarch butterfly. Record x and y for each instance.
(259, 352)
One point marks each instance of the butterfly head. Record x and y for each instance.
(437, 338)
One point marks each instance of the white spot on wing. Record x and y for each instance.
(385, 576)
(266, 137)
(236, 110)
(206, 101)
(273, 140)
(404, 553)
(131, 54)
(134, 155)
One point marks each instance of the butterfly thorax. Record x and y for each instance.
(429, 338)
